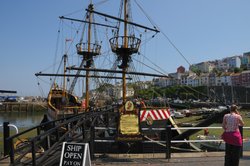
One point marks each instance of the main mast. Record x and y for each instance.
(87, 66)
(124, 46)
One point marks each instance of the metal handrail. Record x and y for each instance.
(198, 128)
(41, 136)
(12, 125)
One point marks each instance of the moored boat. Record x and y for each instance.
(219, 145)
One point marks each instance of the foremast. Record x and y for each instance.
(88, 50)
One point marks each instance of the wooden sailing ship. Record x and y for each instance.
(125, 44)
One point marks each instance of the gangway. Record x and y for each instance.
(45, 147)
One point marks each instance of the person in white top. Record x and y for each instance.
(232, 136)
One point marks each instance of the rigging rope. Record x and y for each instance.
(173, 45)
(40, 88)
(74, 12)
(101, 2)
(169, 40)
(151, 67)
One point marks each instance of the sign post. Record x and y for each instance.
(75, 154)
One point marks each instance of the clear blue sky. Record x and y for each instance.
(201, 29)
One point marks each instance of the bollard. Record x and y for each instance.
(168, 141)
(6, 135)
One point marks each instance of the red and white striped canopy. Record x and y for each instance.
(155, 114)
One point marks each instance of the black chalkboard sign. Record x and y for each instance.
(75, 154)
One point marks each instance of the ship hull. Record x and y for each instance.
(62, 104)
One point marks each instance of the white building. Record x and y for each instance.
(223, 79)
(204, 67)
(204, 79)
(118, 92)
(233, 61)
(164, 81)
(193, 80)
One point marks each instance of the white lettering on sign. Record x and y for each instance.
(73, 155)
(76, 148)
(71, 163)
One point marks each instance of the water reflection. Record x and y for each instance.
(22, 119)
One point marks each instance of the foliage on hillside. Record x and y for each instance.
(182, 92)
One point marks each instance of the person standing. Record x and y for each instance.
(232, 136)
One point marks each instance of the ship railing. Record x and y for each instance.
(117, 44)
(82, 48)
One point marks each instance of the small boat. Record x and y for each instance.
(220, 144)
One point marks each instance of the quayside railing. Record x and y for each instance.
(81, 127)
(39, 148)
(6, 133)
(170, 140)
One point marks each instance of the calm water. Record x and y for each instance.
(22, 119)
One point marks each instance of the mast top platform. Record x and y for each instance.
(117, 45)
(83, 49)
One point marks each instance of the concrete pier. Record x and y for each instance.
(177, 159)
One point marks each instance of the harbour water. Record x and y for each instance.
(22, 119)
